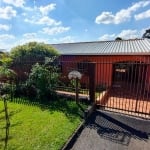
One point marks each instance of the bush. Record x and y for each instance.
(43, 80)
(7, 88)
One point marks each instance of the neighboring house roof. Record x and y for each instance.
(119, 47)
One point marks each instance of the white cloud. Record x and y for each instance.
(144, 29)
(66, 39)
(6, 46)
(43, 21)
(55, 30)
(6, 37)
(107, 37)
(121, 16)
(105, 18)
(7, 12)
(39, 16)
(128, 34)
(29, 35)
(124, 34)
(142, 15)
(4, 27)
(34, 39)
(16, 3)
(46, 9)
(7, 41)
(48, 21)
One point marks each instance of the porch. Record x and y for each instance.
(125, 100)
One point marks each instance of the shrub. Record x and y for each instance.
(43, 80)
(7, 88)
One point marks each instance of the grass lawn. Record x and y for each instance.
(36, 127)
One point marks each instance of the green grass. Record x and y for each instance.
(37, 127)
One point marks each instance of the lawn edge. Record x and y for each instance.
(72, 139)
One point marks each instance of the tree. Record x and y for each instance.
(5, 71)
(24, 56)
(7, 75)
(118, 38)
(146, 34)
(32, 51)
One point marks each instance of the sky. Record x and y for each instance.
(65, 21)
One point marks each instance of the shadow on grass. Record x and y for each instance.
(2, 111)
(24, 100)
(6, 128)
(67, 106)
(6, 137)
(12, 113)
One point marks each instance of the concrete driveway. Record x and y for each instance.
(112, 131)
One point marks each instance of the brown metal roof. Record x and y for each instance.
(120, 47)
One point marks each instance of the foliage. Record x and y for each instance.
(5, 59)
(40, 129)
(24, 56)
(118, 38)
(5, 62)
(32, 50)
(146, 34)
(73, 83)
(43, 80)
(8, 88)
(6, 75)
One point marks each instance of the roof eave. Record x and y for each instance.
(105, 54)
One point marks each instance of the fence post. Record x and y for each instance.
(92, 72)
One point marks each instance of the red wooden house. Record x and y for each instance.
(122, 57)
(122, 63)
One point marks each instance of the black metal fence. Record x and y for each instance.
(112, 84)
(18, 88)
(126, 86)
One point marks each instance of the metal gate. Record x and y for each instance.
(123, 86)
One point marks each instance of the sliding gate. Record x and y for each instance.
(123, 86)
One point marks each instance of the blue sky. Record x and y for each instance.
(58, 21)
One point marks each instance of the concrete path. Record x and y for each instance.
(112, 131)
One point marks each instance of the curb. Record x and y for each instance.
(87, 113)
(74, 137)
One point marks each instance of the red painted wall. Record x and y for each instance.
(148, 78)
(104, 66)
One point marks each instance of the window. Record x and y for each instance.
(83, 67)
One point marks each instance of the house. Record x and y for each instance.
(120, 68)
(116, 62)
